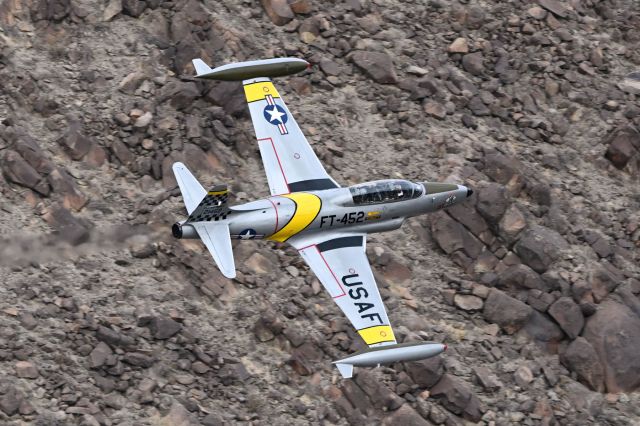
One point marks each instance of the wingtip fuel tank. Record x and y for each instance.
(389, 354)
(276, 67)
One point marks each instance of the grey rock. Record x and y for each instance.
(521, 276)
(509, 313)
(568, 314)
(377, 65)
(456, 397)
(426, 373)
(70, 229)
(405, 415)
(539, 246)
(17, 170)
(133, 7)
(582, 358)
(623, 145)
(473, 63)
(163, 327)
(99, 355)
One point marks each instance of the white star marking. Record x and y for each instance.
(275, 114)
(246, 236)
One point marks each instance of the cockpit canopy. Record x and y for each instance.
(385, 191)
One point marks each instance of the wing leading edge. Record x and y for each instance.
(340, 263)
(289, 161)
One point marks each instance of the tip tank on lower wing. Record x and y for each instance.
(389, 354)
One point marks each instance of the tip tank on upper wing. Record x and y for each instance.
(237, 71)
(389, 354)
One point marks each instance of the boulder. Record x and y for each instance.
(614, 333)
(379, 394)
(377, 65)
(568, 314)
(26, 370)
(582, 399)
(279, 11)
(456, 396)
(582, 358)
(539, 247)
(473, 63)
(162, 327)
(509, 313)
(555, 7)
(427, 372)
(504, 170)
(133, 7)
(181, 94)
(451, 236)
(468, 302)
(230, 96)
(543, 331)
(68, 227)
(624, 144)
(512, 222)
(18, 171)
(10, 401)
(100, 355)
(405, 416)
(521, 276)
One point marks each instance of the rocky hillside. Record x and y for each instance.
(534, 283)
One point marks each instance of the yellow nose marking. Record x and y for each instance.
(307, 208)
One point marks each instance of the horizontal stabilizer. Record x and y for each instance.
(192, 191)
(215, 235)
(238, 71)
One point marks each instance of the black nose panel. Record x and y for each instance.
(469, 192)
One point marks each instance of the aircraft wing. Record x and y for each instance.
(290, 163)
(340, 263)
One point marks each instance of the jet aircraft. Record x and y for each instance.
(325, 222)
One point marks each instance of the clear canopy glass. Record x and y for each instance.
(385, 191)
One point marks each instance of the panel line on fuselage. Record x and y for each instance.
(307, 208)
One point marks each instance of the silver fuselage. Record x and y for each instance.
(311, 212)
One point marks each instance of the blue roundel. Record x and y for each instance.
(275, 114)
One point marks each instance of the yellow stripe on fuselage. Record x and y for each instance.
(259, 91)
(307, 208)
(377, 334)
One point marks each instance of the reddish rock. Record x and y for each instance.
(582, 358)
(279, 11)
(26, 370)
(614, 333)
(624, 144)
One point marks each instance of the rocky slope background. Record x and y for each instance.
(533, 283)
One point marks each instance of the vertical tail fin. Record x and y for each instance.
(201, 67)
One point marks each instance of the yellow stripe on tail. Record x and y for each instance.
(259, 91)
(377, 334)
